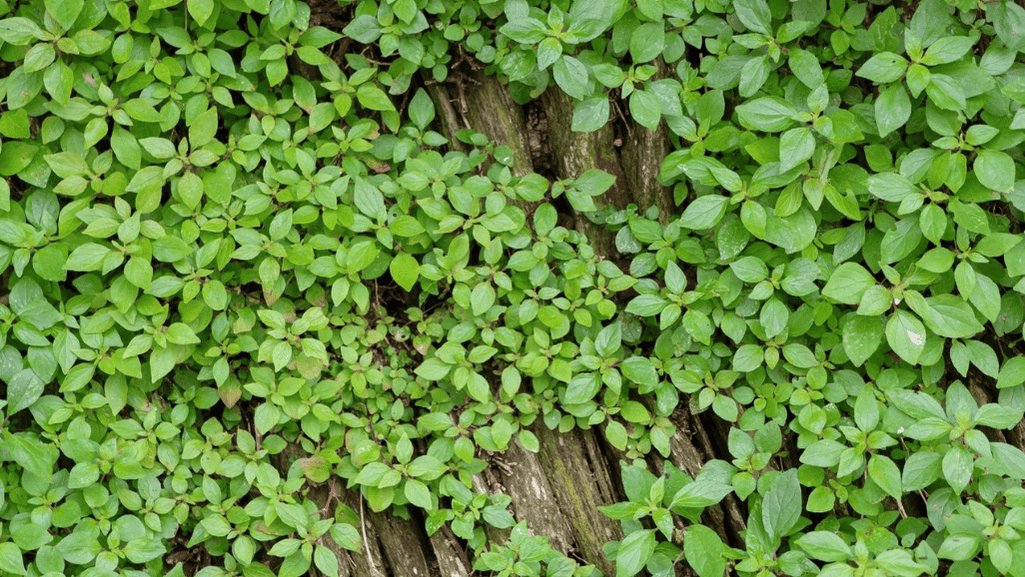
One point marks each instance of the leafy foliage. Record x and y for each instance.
(243, 263)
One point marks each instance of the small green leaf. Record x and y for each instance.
(848, 283)
(806, 68)
(957, 467)
(795, 146)
(825, 546)
(883, 68)
(862, 336)
(885, 474)
(892, 109)
(1012, 373)
(405, 270)
(65, 12)
(591, 114)
(782, 505)
(704, 213)
(11, 559)
(754, 14)
(365, 29)
(906, 336)
(995, 170)
(634, 552)
(571, 76)
(647, 42)
(704, 551)
(645, 109)
(421, 109)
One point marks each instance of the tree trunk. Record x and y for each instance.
(558, 490)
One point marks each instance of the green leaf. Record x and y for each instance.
(646, 305)
(948, 49)
(23, 391)
(933, 222)
(892, 109)
(753, 75)
(795, 146)
(1012, 373)
(30, 305)
(921, 469)
(704, 551)
(582, 388)
(421, 109)
(698, 494)
(405, 270)
(782, 506)
(645, 109)
(418, 494)
(373, 98)
(791, 233)
(891, 187)
(20, 31)
(161, 361)
(31, 454)
(883, 68)
(885, 474)
(433, 369)
(949, 316)
(591, 114)
(30, 537)
(862, 336)
(848, 283)
(748, 358)
(906, 336)
(995, 170)
(364, 29)
(524, 30)
(11, 559)
(143, 550)
(767, 114)
(326, 561)
(571, 76)
(203, 128)
(634, 552)
(957, 467)
(647, 42)
(806, 68)
(65, 12)
(15, 155)
(215, 295)
(1009, 21)
(825, 546)
(946, 93)
(754, 14)
(959, 547)
(997, 417)
(704, 213)
(639, 370)
(774, 317)
(201, 10)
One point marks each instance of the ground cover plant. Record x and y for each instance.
(548, 287)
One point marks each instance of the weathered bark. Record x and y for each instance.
(690, 448)
(579, 474)
(392, 546)
(574, 153)
(533, 497)
(451, 120)
(486, 106)
(452, 560)
(402, 543)
(558, 490)
(642, 155)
